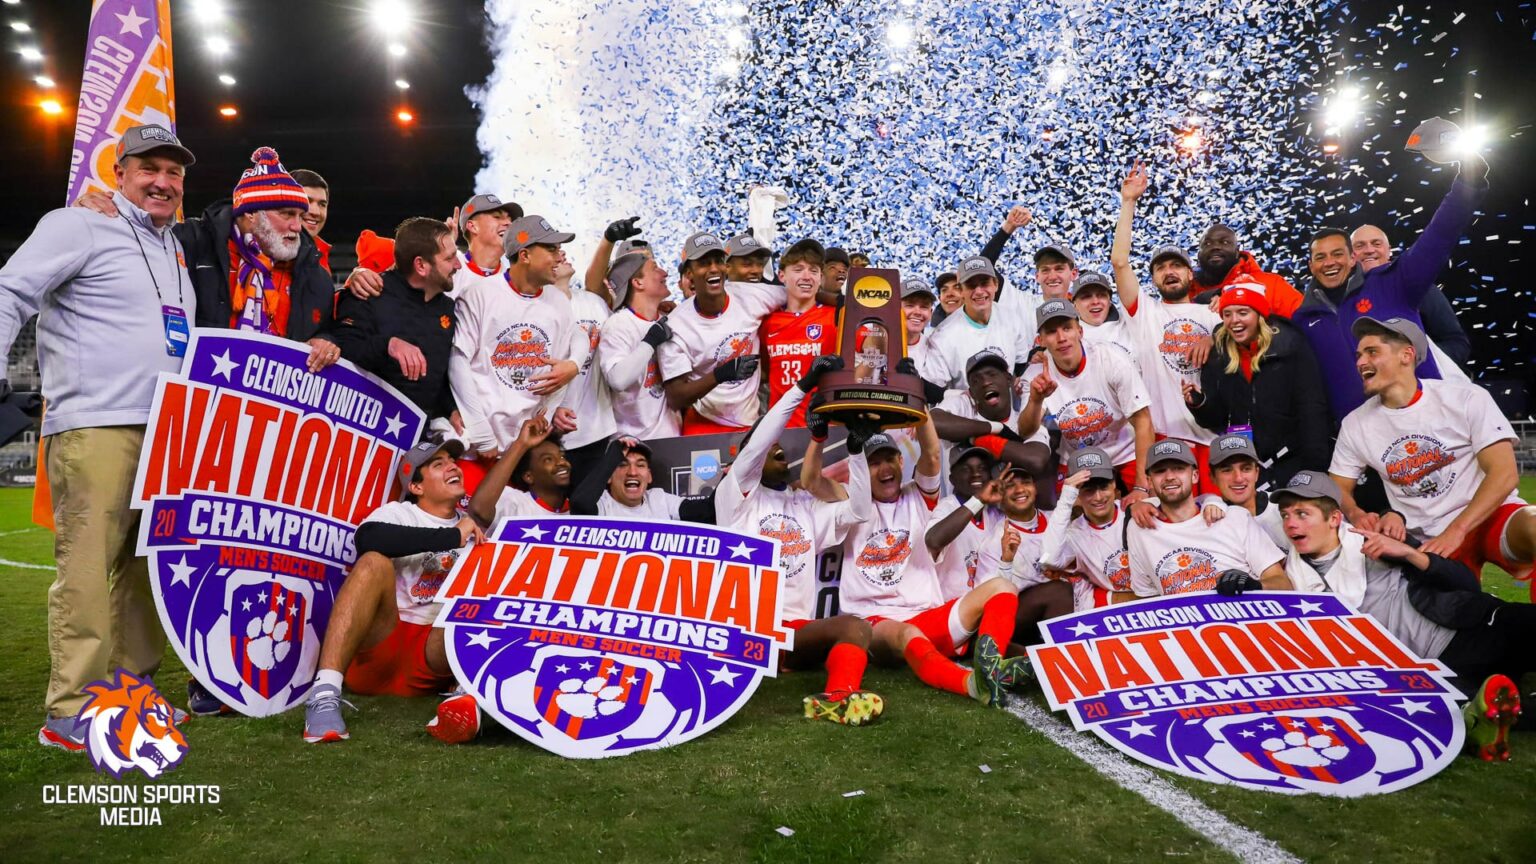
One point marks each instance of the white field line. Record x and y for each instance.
(6, 562)
(1248, 846)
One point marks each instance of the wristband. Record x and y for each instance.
(997, 427)
(1142, 489)
(975, 505)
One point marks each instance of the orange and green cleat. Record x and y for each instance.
(1490, 716)
(850, 709)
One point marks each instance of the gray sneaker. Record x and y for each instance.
(322, 715)
(60, 732)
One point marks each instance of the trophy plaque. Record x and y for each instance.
(872, 339)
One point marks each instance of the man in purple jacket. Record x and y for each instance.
(1340, 291)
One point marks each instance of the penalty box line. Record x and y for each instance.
(1244, 844)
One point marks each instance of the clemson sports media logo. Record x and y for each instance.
(1186, 569)
(793, 544)
(129, 726)
(1418, 464)
(1084, 422)
(1179, 336)
(881, 558)
(521, 352)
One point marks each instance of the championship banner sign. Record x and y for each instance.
(595, 637)
(1277, 691)
(254, 476)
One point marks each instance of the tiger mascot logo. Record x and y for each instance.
(129, 725)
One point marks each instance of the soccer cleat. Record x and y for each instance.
(987, 673)
(202, 703)
(60, 732)
(1017, 672)
(856, 708)
(1490, 716)
(323, 722)
(457, 720)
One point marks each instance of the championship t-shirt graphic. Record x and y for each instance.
(880, 560)
(793, 542)
(1419, 465)
(521, 352)
(1186, 569)
(1180, 335)
(1084, 422)
(1117, 569)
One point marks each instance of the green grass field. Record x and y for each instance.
(394, 791)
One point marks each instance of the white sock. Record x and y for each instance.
(327, 676)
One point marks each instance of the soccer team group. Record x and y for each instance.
(1195, 424)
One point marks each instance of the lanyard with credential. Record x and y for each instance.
(177, 333)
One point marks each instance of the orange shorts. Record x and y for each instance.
(934, 625)
(397, 666)
(695, 423)
(795, 623)
(1485, 543)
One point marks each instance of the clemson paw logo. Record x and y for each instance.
(129, 725)
(267, 640)
(1305, 751)
(1183, 560)
(524, 335)
(589, 698)
(1185, 328)
(1411, 447)
(1082, 409)
(1363, 305)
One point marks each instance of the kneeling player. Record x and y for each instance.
(381, 632)
(1433, 604)
(1092, 546)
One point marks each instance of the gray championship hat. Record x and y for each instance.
(879, 441)
(1436, 139)
(1169, 250)
(1057, 248)
(1093, 460)
(478, 204)
(976, 265)
(987, 357)
(909, 287)
(417, 457)
(700, 244)
(1169, 450)
(1365, 326)
(1228, 447)
(528, 231)
(1310, 484)
(621, 271)
(139, 140)
(1050, 310)
(624, 247)
(1089, 279)
(744, 246)
(958, 454)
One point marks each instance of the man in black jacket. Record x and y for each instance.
(405, 335)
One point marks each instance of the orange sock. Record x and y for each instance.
(997, 619)
(934, 669)
(845, 668)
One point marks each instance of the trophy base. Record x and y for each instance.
(887, 408)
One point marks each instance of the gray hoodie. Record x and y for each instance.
(100, 334)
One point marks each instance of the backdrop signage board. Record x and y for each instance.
(1277, 691)
(597, 637)
(254, 476)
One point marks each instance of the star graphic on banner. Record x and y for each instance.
(562, 668)
(132, 22)
(535, 533)
(723, 675)
(1083, 628)
(740, 550)
(1267, 727)
(222, 365)
(1410, 707)
(1249, 733)
(181, 572)
(1327, 727)
(393, 425)
(260, 598)
(482, 638)
(1138, 729)
(585, 667)
(614, 670)
(632, 680)
(245, 605)
(1305, 606)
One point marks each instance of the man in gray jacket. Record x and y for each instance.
(115, 307)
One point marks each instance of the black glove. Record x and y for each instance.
(736, 369)
(859, 433)
(817, 424)
(819, 367)
(660, 332)
(906, 366)
(1234, 582)
(622, 229)
(1011, 434)
(933, 394)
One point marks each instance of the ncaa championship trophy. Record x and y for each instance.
(872, 340)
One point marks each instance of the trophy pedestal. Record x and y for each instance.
(894, 404)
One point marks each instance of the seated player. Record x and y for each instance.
(1235, 472)
(1090, 547)
(380, 632)
(1012, 550)
(892, 582)
(755, 495)
(800, 332)
(961, 521)
(1444, 451)
(620, 485)
(1431, 603)
(532, 478)
(983, 412)
(1184, 553)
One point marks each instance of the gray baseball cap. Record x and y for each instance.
(528, 231)
(621, 271)
(700, 244)
(913, 286)
(1310, 484)
(744, 246)
(1228, 447)
(624, 247)
(478, 204)
(1168, 250)
(1093, 460)
(986, 357)
(1050, 310)
(958, 454)
(1169, 450)
(417, 457)
(1365, 326)
(879, 441)
(1091, 278)
(976, 265)
(1058, 248)
(139, 140)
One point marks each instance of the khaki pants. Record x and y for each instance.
(101, 614)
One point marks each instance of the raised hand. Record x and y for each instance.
(1135, 182)
(622, 229)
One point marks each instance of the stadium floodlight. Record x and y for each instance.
(389, 15)
(217, 46)
(227, 79)
(900, 33)
(1472, 140)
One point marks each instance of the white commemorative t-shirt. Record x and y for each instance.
(658, 504)
(959, 339)
(418, 577)
(1180, 557)
(515, 502)
(804, 526)
(1114, 335)
(887, 570)
(639, 411)
(919, 353)
(957, 560)
(1426, 453)
(469, 275)
(958, 403)
(699, 343)
(1093, 407)
(588, 394)
(1026, 562)
(1099, 552)
(1161, 332)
